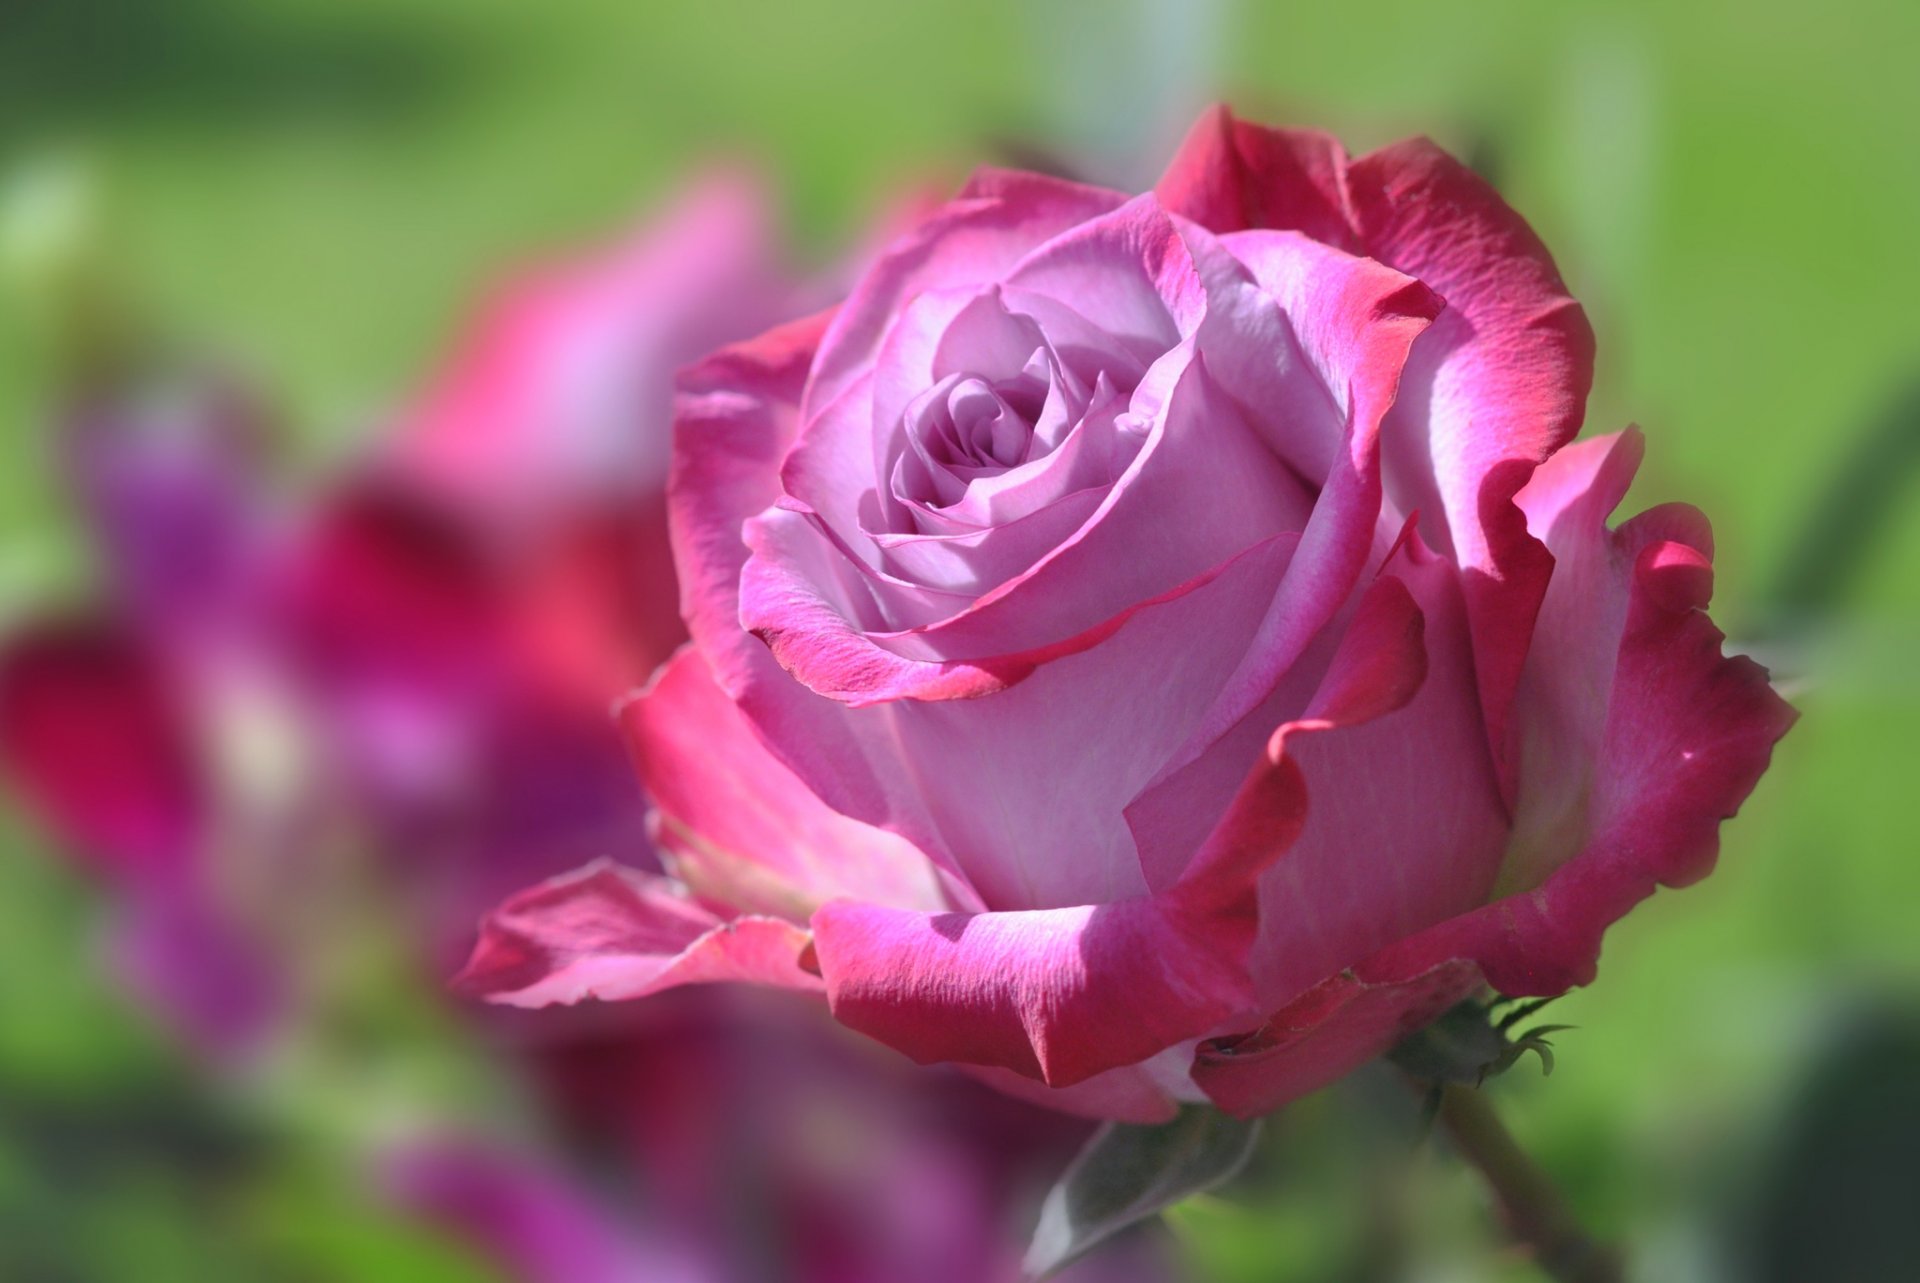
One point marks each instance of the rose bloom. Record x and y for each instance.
(1165, 648)
(288, 714)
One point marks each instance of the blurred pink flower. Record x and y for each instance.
(411, 669)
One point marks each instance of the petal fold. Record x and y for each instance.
(1639, 737)
(1065, 994)
(737, 827)
(613, 934)
(1495, 386)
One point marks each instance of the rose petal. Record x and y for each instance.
(1229, 176)
(1128, 273)
(1065, 994)
(1055, 994)
(973, 239)
(1495, 386)
(1405, 824)
(1033, 778)
(735, 414)
(1352, 324)
(1200, 460)
(1499, 383)
(1126, 1095)
(1324, 1035)
(1666, 735)
(613, 934)
(735, 417)
(737, 827)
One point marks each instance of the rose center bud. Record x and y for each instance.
(978, 451)
(969, 425)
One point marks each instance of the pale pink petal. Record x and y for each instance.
(1200, 460)
(737, 827)
(1405, 825)
(1499, 383)
(972, 240)
(1028, 798)
(1349, 324)
(1353, 324)
(613, 934)
(735, 416)
(1127, 272)
(1065, 994)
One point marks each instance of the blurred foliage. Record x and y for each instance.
(320, 186)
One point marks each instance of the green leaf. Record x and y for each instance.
(1128, 1173)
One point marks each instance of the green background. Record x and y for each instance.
(318, 190)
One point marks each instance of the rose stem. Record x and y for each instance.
(1536, 1213)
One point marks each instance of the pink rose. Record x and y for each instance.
(1165, 648)
(438, 632)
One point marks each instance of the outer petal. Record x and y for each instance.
(737, 827)
(735, 415)
(1065, 994)
(1327, 1032)
(609, 933)
(1684, 733)
(975, 238)
(1353, 323)
(1055, 994)
(1229, 175)
(1499, 383)
(1405, 827)
(1127, 1095)
(1641, 737)
(1494, 387)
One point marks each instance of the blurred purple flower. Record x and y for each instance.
(414, 664)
